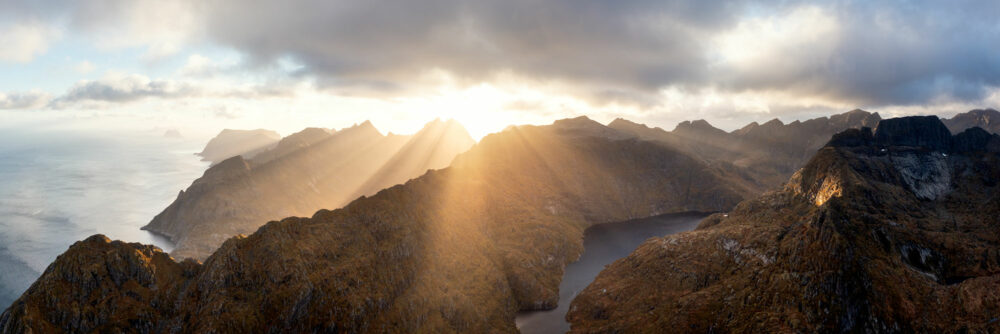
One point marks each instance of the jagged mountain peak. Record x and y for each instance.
(584, 126)
(773, 123)
(624, 122)
(856, 117)
(695, 125)
(988, 119)
(860, 240)
(579, 121)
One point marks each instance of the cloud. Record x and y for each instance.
(22, 42)
(27, 100)
(160, 28)
(84, 67)
(886, 53)
(867, 53)
(125, 89)
(599, 45)
(117, 88)
(775, 55)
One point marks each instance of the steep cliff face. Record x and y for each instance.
(305, 172)
(456, 250)
(895, 231)
(766, 153)
(230, 143)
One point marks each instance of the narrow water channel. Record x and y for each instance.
(603, 244)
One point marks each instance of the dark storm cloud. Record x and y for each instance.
(615, 45)
(881, 53)
(891, 53)
(901, 52)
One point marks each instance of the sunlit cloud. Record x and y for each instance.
(21, 42)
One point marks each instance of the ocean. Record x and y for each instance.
(58, 186)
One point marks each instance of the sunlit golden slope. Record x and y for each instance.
(456, 250)
(305, 172)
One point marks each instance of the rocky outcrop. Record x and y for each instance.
(230, 143)
(890, 235)
(460, 249)
(914, 131)
(307, 171)
(101, 286)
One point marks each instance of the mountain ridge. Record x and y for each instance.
(460, 249)
(307, 171)
(890, 235)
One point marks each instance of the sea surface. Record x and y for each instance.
(58, 186)
(603, 244)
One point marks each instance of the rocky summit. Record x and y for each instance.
(894, 231)
(461, 249)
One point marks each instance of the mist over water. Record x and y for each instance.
(61, 186)
(603, 244)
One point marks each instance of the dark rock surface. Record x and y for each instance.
(914, 131)
(859, 240)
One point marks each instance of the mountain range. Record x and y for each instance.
(460, 249)
(891, 231)
(304, 172)
(903, 214)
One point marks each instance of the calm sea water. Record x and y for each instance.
(602, 244)
(61, 186)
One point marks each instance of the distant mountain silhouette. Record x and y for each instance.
(767, 153)
(987, 119)
(306, 171)
(891, 231)
(230, 143)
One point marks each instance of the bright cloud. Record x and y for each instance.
(22, 42)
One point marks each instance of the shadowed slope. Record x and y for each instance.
(767, 153)
(987, 119)
(456, 250)
(895, 231)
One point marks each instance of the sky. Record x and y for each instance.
(203, 65)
